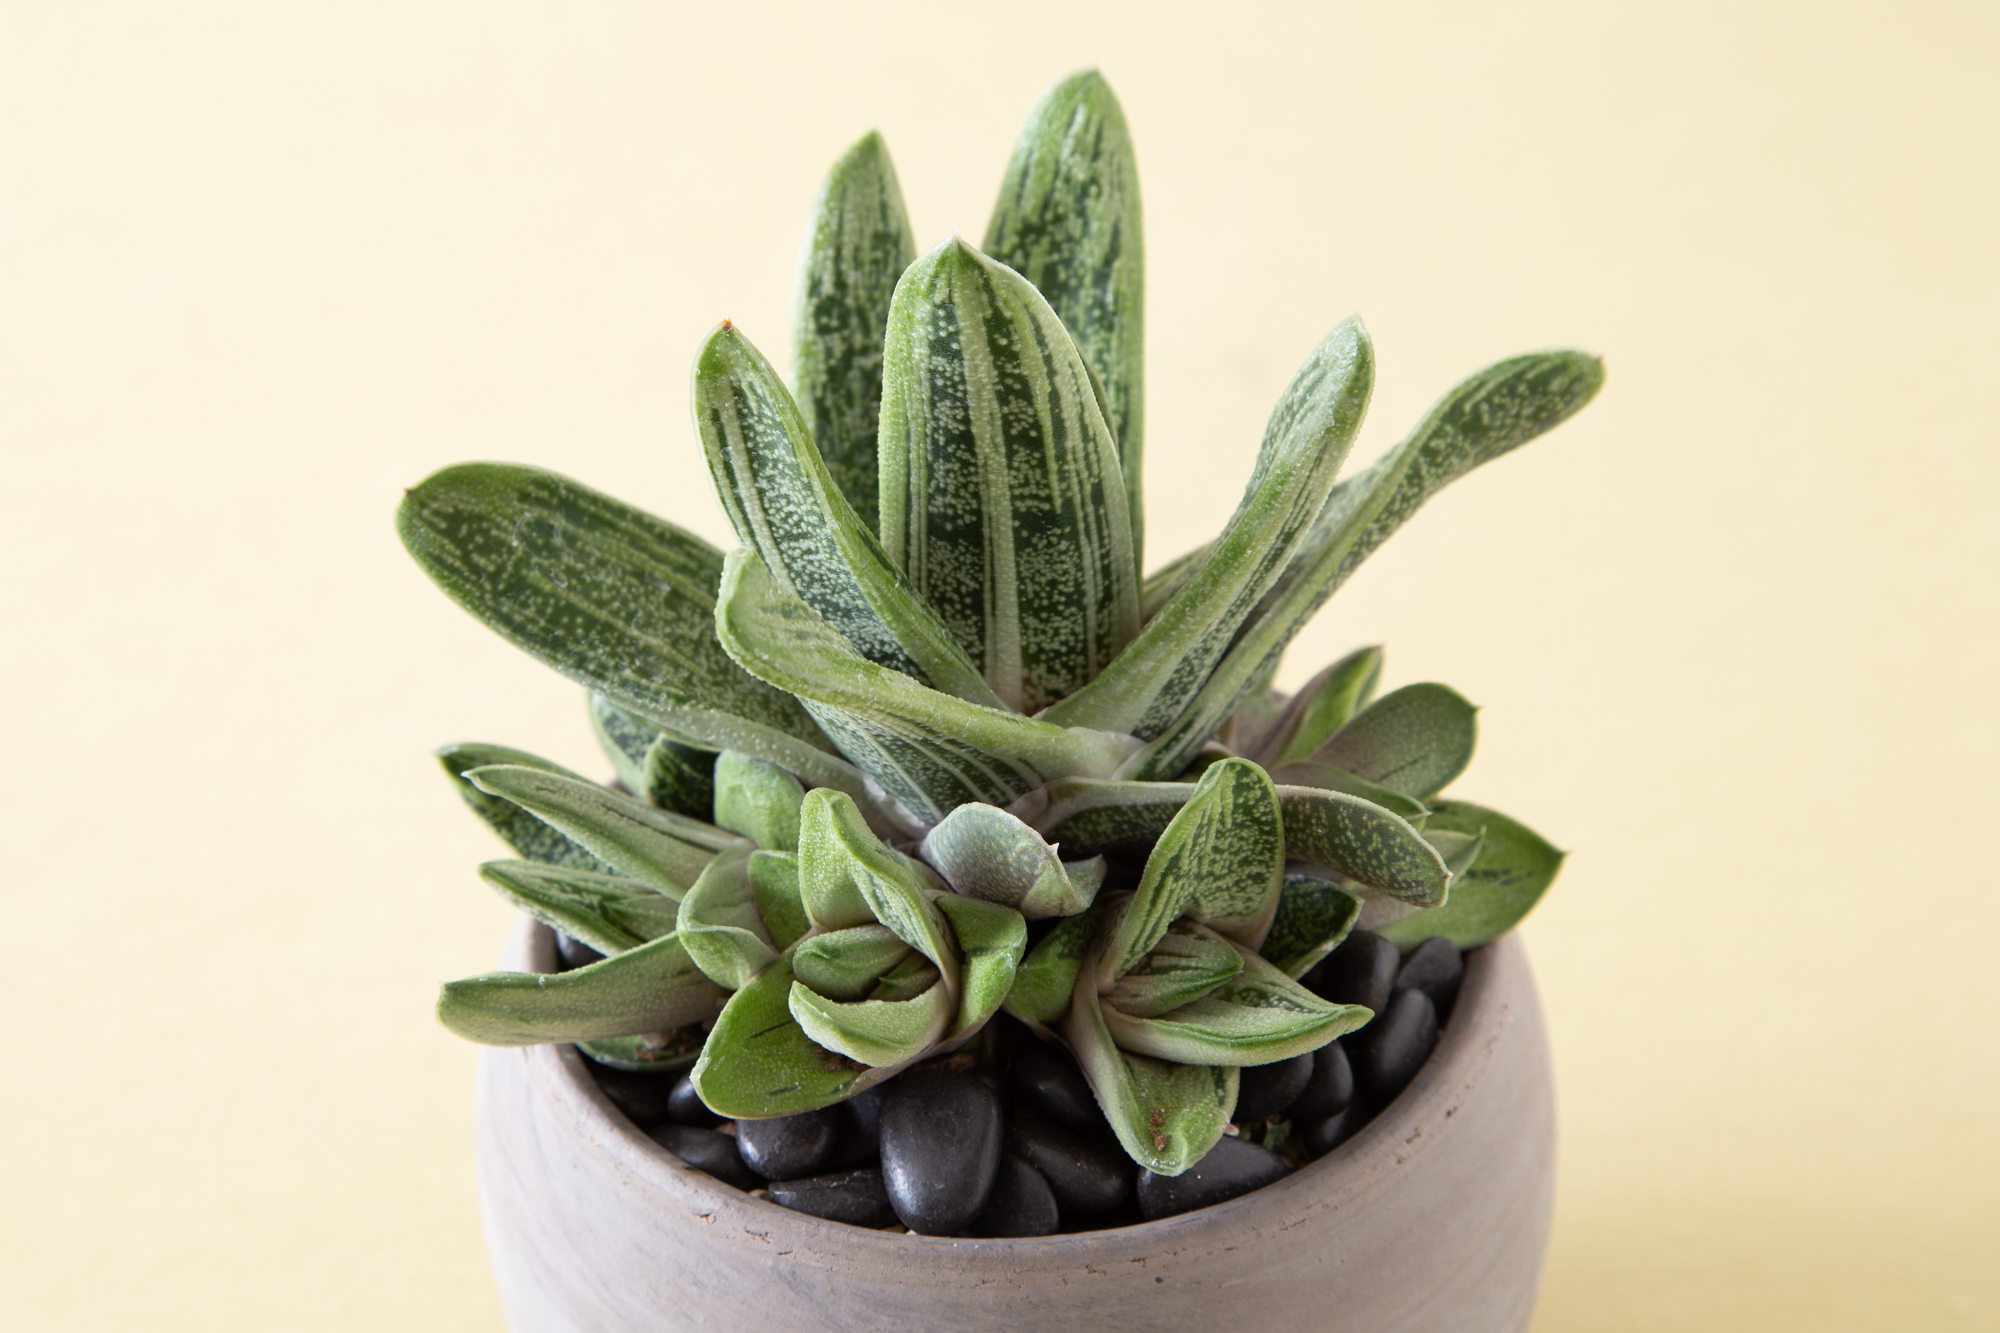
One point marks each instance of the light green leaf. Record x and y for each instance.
(610, 913)
(720, 925)
(1513, 869)
(785, 506)
(1189, 961)
(844, 965)
(661, 850)
(1068, 220)
(758, 1062)
(1314, 916)
(1167, 1116)
(774, 878)
(527, 835)
(648, 1052)
(1043, 982)
(1257, 1018)
(931, 751)
(991, 940)
(1328, 778)
(858, 242)
(847, 877)
(652, 764)
(986, 853)
(1160, 586)
(1152, 683)
(1322, 707)
(1001, 492)
(758, 800)
(647, 989)
(907, 979)
(875, 1032)
(1414, 740)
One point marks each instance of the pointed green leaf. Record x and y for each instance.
(929, 750)
(1160, 586)
(1512, 870)
(758, 800)
(875, 1032)
(1068, 220)
(844, 965)
(661, 850)
(1414, 740)
(848, 877)
(1189, 961)
(1001, 492)
(785, 506)
(1043, 982)
(527, 835)
(991, 940)
(720, 925)
(1166, 1116)
(1328, 778)
(1152, 683)
(907, 979)
(858, 242)
(647, 989)
(610, 913)
(1314, 916)
(652, 764)
(648, 1052)
(1322, 707)
(774, 879)
(759, 1062)
(1257, 1018)
(986, 853)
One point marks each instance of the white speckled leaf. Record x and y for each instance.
(1256, 1018)
(1512, 869)
(1414, 740)
(1328, 778)
(1321, 707)
(665, 771)
(1189, 961)
(647, 989)
(610, 913)
(527, 835)
(1040, 994)
(1314, 915)
(986, 853)
(875, 1032)
(720, 926)
(758, 800)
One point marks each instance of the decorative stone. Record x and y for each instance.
(1232, 1167)
(1321, 1137)
(860, 1137)
(787, 1147)
(1265, 1090)
(1021, 1203)
(1331, 1088)
(646, 1098)
(1361, 971)
(1046, 1078)
(857, 1198)
(707, 1150)
(1087, 1176)
(1388, 1052)
(940, 1149)
(1436, 968)
(685, 1106)
(575, 953)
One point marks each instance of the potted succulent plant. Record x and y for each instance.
(972, 930)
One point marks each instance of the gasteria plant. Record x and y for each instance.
(931, 710)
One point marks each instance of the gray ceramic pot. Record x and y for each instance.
(1434, 1216)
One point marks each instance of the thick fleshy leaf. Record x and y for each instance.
(1001, 492)
(844, 965)
(1189, 961)
(758, 800)
(1512, 870)
(1414, 740)
(720, 926)
(1314, 915)
(847, 877)
(907, 979)
(610, 913)
(1167, 1116)
(774, 878)
(650, 988)
(1160, 586)
(858, 242)
(1323, 706)
(527, 835)
(986, 853)
(1490, 414)
(785, 506)
(648, 1052)
(1068, 220)
(875, 1032)
(652, 764)
(758, 1062)
(991, 940)
(1151, 684)
(1256, 1018)
(930, 751)
(661, 850)
(1328, 778)
(1043, 982)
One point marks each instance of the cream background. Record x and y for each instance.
(1733, 628)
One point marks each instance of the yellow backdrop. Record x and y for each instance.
(1733, 629)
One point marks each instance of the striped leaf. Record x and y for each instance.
(1001, 494)
(1512, 870)
(858, 242)
(930, 751)
(774, 878)
(1321, 707)
(652, 764)
(720, 926)
(1258, 1017)
(1159, 587)
(647, 989)
(1314, 915)
(1152, 683)
(1414, 740)
(758, 800)
(527, 835)
(785, 506)
(1486, 416)
(1328, 778)
(1040, 995)
(1068, 220)
(1166, 1115)
(986, 853)
(758, 1062)
(1188, 962)
(875, 1032)
(610, 913)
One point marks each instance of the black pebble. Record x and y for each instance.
(1361, 971)
(685, 1106)
(786, 1147)
(1086, 1176)
(575, 953)
(940, 1149)
(1331, 1087)
(854, 1197)
(1021, 1203)
(1046, 1078)
(1265, 1090)
(1436, 968)
(1388, 1052)
(1321, 1137)
(707, 1150)
(860, 1136)
(646, 1098)
(1232, 1167)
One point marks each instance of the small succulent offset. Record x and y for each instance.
(929, 744)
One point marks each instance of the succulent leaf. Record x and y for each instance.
(907, 979)
(758, 800)
(1322, 706)
(875, 1032)
(1414, 740)
(847, 877)
(1042, 984)
(1328, 778)
(1001, 492)
(527, 835)
(774, 879)
(1255, 1018)
(991, 939)
(653, 765)
(1189, 961)
(1158, 588)
(1314, 915)
(1068, 220)
(785, 506)
(758, 1062)
(720, 925)
(1166, 1115)
(648, 1052)
(1513, 868)
(858, 242)
(844, 965)
(610, 913)
(986, 853)
(650, 988)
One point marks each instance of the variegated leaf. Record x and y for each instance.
(720, 926)
(1068, 220)
(1042, 984)
(652, 764)
(991, 939)
(661, 850)
(1151, 684)
(858, 242)
(610, 913)
(844, 965)
(1257, 1018)
(1166, 1116)
(758, 1062)
(785, 506)
(875, 1032)
(1189, 961)
(527, 835)
(648, 1052)
(758, 800)
(1314, 915)
(1159, 587)
(1323, 706)
(1328, 778)
(774, 879)
(1001, 492)
(930, 751)
(848, 877)
(1414, 740)
(1512, 870)
(650, 988)
(986, 853)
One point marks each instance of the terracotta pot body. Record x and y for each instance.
(1434, 1217)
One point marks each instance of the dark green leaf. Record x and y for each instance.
(1328, 778)
(1322, 707)
(1314, 916)
(1042, 984)
(1414, 740)
(527, 835)
(652, 764)
(1189, 961)
(610, 913)
(1513, 869)
(651, 988)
